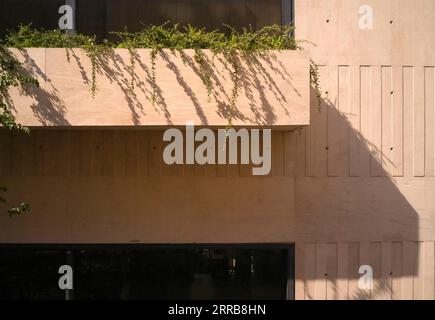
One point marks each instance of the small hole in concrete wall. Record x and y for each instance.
(391, 148)
(391, 21)
(391, 92)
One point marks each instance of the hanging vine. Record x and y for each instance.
(235, 79)
(153, 56)
(131, 67)
(96, 54)
(205, 76)
(315, 82)
(11, 75)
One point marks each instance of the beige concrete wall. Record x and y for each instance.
(112, 186)
(369, 153)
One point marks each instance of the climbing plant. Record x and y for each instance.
(315, 82)
(231, 45)
(11, 75)
(28, 37)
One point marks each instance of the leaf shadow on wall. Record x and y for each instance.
(49, 108)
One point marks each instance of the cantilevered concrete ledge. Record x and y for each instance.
(274, 89)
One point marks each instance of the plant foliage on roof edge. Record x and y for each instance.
(231, 45)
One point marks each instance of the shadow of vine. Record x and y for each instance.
(50, 108)
(248, 76)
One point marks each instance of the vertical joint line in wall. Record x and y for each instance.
(360, 128)
(283, 157)
(370, 119)
(424, 121)
(349, 127)
(347, 273)
(402, 71)
(305, 153)
(381, 154)
(394, 126)
(432, 107)
(327, 69)
(413, 123)
(433, 116)
(384, 158)
(336, 265)
(315, 266)
(337, 98)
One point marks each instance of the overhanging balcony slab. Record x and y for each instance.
(274, 89)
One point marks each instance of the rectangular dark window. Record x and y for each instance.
(148, 272)
(30, 273)
(40, 13)
(101, 17)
